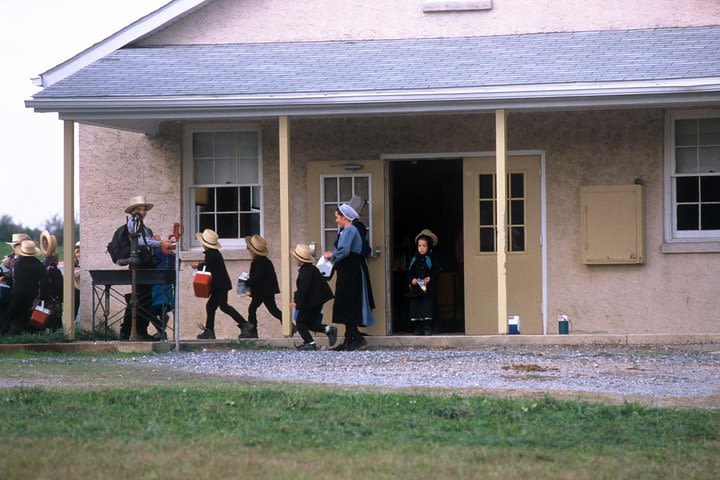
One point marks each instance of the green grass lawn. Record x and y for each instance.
(214, 429)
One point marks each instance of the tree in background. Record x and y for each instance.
(55, 226)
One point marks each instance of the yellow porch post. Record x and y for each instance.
(69, 220)
(501, 205)
(285, 285)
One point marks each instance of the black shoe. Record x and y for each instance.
(122, 336)
(207, 334)
(332, 335)
(339, 348)
(356, 344)
(160, 336)
(248, 330)
(306, 347)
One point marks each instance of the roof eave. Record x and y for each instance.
(667, 93)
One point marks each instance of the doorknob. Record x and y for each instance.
(375, 252)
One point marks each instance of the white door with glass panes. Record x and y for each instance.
(222, 181)
(329, 185)
(524, 256)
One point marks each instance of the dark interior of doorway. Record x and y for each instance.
(427, 194)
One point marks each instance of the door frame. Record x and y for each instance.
(387, 158)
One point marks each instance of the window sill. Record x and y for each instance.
(197, 255)
(691, 247)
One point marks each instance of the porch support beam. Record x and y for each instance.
(68, 230)
(285, 277)
(501, 206)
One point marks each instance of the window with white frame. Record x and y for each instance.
(338, 189)
(693, 175)
(222, 179)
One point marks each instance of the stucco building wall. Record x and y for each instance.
(670, 293)
(257, 21)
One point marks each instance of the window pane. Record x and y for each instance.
(248, 170)
(487, 214)
(487, 239)
(255, 205)
(201, 197)
(206, 221)
(710, 131)
(247, 144)
(330, 216)
(203, 172)
(517, 212)
(686, 160)
(687, 189)
(249, 224)
(517, 185)
(710, 189)
(685, 132)
(346, 191)
(227, 201)
(225, 145)
(486, 186)
(330, 236)
(245, 199)
(202, 145)
(330, 186)
(710, 215)
(227, 225)
(709, 159)
(687, 217)
(225, 170)
(517, 239)
(362, 188)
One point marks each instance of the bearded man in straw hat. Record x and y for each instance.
(138, 208)
(29, 283)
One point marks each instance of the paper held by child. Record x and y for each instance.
(243, 289)
(325, 266)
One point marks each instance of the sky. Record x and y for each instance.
(35, 36)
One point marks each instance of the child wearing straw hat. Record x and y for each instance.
(262, 282)
(311, 294)
(215, 264)
(29, 283)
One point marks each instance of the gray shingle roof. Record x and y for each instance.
(407, 64)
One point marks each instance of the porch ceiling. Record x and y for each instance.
(137, 88)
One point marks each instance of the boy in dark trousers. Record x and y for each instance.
(262, 282)
(215, 264)
(312, 292)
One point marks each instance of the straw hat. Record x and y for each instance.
(17, 238)
(348, 212)
(48, 243)
(138, 201)
(257, 245)
(208, 238)
(427, 233)
(28, 249)
(303, 253)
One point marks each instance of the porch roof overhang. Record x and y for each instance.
(137, 88)
(144, 114)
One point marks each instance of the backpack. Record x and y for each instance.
(119, 246)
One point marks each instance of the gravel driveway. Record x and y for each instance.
(661, 376)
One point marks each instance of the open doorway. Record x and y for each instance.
(427, 193)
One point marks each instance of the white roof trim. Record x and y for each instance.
(150, 23)
(533, 93)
